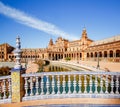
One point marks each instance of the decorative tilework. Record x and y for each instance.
(15, 76)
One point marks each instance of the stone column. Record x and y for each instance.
(114, 55)
(51, 56)
(16, 79)
(63, 56)
(108, 55)
(93, 56)
(102, 58)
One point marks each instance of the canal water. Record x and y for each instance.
(62, 68)
(59, 68)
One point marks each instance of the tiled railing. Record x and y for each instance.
(71, 84)
(5, 89)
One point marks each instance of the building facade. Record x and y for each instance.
(82, 49)
(5, 49)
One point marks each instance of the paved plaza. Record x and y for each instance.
(108, 66)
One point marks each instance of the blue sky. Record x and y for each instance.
(36, 21)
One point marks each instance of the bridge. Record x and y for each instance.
(57, 85)
(53, 87)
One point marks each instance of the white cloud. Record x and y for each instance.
(27, 20)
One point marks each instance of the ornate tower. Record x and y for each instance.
(84, 33)
(17, 53)
(51, 42)
(50, 45)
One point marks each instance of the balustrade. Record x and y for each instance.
(80, 87)
(53, 85)
(90, 82)
(5, 88)
(37, 85)
(101, 84)
(62, 84)
(72, 83)
(69, 84)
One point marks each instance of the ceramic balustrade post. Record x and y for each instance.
(90, 82)
(64, 84)
(80, 84)
(117, 84)
(69, 85)
(53, 84)
(106, 84)
(4, 88)
(37, 86)
(58, 84)
(101, 84)
(26, 86)
(47, 85)
(9, 87)
(112, 84)
(74, 84)
(31, 86)
(42, 85)
(96, 84)
(85, 84)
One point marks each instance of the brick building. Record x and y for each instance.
(82, 49)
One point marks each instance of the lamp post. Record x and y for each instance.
(98, 65)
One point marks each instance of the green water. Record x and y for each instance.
(58, 68)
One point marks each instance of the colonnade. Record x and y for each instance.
(74, 55)
(108, 55)
(55, 56)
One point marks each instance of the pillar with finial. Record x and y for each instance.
(17, 54)
(16, 79)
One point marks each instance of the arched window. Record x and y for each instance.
(117, 53)
(100, 54)
(88, 55)
(111, 53)
(105, 53)
(69, 55)
(91, 54)
(80, 55)
(72, 55)
(95, 54)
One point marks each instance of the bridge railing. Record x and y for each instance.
(5, 89)
(71, 84)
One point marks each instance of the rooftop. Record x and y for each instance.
(107, 40)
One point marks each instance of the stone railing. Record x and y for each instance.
(5, 89)
(78, 65)
(71, 85)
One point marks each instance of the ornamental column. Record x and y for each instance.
(16, 80)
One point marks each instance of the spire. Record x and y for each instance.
(84, 33)
(17, 53)
(51, 42)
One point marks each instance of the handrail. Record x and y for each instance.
(71, 73)
(5, 77)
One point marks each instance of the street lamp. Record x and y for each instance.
(98, 65)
